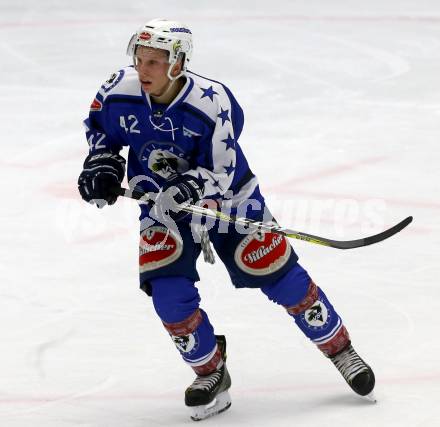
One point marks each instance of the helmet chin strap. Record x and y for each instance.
(170, 84)
(170, 68)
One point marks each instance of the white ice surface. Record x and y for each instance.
(342, 107)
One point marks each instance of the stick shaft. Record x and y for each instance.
(257, 225)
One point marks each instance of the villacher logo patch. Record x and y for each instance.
(262, 253)
(158, 247)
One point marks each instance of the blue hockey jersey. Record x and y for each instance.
(196, 134)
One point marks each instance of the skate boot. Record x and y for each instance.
(359, 376)
(208, 395)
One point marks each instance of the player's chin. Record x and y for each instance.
(147, 86)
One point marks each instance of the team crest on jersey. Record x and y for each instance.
(114, 79)
(164, 159)
(165, 164)
(96, 105)
(158, 247)
(262, 253)
(317, 316)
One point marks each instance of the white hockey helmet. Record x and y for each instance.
(172, 36)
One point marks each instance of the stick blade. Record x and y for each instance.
(352, 244)
(388, 233)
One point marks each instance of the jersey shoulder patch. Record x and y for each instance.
(123, 82)
(113, 80)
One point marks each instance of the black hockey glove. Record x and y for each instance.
(179, 189)
(103, 172)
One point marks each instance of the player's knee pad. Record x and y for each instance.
(194, 338)
(174, 298)
(290, 289)
(319, 321)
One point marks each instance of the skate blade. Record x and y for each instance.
(370, 397)
(220, 404)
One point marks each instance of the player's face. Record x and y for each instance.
(152, 67)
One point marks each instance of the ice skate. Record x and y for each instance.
(358, 375)
(208, 395)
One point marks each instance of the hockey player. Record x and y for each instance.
(182, 131)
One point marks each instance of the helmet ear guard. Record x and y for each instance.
(171, 36)
(131, 47)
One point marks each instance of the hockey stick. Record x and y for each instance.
(249, 223)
